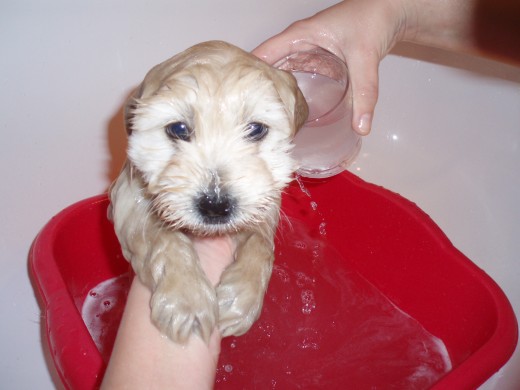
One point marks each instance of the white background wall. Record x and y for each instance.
(446, 135)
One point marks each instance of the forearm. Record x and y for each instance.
(485, 27)
(143, 358)
(441, 23)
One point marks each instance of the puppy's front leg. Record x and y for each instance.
(243, 284)
(183, 300)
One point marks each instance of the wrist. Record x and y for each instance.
(443, 24)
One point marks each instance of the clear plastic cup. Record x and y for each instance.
(326, 144)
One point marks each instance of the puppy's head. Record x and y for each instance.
(210, 132)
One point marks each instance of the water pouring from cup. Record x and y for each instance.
(326, 144)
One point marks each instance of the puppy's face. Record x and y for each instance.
(210, 131)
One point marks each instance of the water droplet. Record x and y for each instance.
(308, 301)
(308, 344)
(303, 280)
(314, 205)
(310, 338)
(302, 186)
(228, 368)
(323, 228)
(268, 329)
(106, 303)
(300, 245)
(282, 274)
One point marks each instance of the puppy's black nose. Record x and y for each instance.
(215, 208)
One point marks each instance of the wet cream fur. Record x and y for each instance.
(217, 90)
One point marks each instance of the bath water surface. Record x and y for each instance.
(102, 311)
(322, 324)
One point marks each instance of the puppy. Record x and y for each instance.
(210, 133)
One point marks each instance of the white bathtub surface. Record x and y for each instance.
(446, 135)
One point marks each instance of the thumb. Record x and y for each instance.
(364, 79)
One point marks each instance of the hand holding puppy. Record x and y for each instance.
(143, 358)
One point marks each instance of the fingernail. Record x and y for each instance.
(364, 124)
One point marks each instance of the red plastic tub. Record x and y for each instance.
(340, 240)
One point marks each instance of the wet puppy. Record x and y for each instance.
(210, 134)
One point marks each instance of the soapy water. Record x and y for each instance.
(322, 224)
(322, 94)
(322, 324)
(102, 311)
(326, 143)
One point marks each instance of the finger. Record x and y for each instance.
(274, 48)
(297, 35)
(215, 254)
(363, 70)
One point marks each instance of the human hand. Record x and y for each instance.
(144, 358)
(215, 254)
(360, 32)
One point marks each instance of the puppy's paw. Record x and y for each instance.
(240, 302)
(180, 311)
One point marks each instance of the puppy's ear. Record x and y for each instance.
(291, 96)
(128, 113)
(153, 80)
(157, 76)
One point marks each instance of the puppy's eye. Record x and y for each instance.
(178, 130)
(256, 131)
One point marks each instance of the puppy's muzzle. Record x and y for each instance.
(216, 208)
